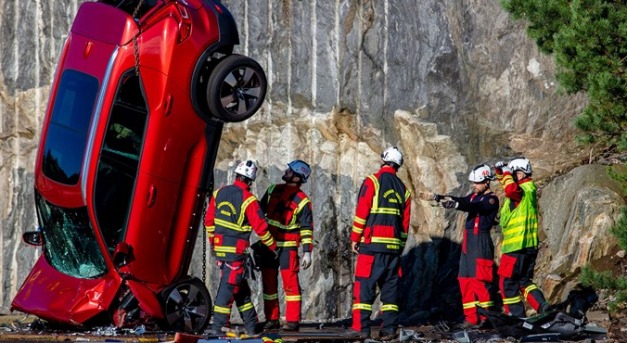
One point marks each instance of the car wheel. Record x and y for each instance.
(187, 306)
(236, 88)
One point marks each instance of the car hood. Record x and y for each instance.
(57, 297)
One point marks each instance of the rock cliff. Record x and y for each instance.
(452, 83)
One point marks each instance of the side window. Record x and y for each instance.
(69, 125)
(119, 159)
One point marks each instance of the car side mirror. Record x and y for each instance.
(33, 238)
(123, 254)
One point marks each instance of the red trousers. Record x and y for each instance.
(476, 274)
(289, 267)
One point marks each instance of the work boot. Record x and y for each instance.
(545, 308)
(387, 336)
(469, 326)
(357, 334)
(272, 325)
(291, 326)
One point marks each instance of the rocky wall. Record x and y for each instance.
(452, 83)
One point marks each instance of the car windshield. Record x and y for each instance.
(67, 133)
(69, 242)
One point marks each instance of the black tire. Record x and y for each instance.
(236, 88)
(187, 306)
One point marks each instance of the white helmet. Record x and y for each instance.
(520, 163)
(247, 169)
(301, 168)
(481, 173)
(392, 154)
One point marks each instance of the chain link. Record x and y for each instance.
(204, 242)
(135, 43)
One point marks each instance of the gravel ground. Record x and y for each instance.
(23, 328)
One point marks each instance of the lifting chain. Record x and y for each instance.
(135, 43)
(204, 240)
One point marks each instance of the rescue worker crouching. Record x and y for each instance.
(290, 218)
(476, 263)
(519, 223)
(378, 236)
(233, 212)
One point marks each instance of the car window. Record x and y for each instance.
(69, 242)
(69, 125)
(119, 159)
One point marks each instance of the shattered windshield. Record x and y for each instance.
(69, 241)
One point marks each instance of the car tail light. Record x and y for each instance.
(185, 25)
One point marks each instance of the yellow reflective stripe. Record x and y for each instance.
(242, 214)
(274, 296)
(224, 249)
(289, 244)
(306, 241)
(389, 307)
(232, 226)
(245, 307)
(359, 220)
(385, 240)
(407, 194)
(513, 300)
(292, 298)
(220, 309)
(358, 230)
(306, 232)
(528, 289)
(375, 198)
(298, 209)
(469, 305)
(485, 304)
(403, 235)
(386, 210)
(266, 236)
(363, 307)
(281, 226)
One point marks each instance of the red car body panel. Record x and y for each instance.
(175, 163)
(71, 300)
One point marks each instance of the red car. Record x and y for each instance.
(126, 159)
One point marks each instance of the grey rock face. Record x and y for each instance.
(452, 84)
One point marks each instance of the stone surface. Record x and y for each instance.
(453, 84)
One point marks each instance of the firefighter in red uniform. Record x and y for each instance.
(290, 219)
(476, 263)
(378, 237)
(232, 214)
(519, 224)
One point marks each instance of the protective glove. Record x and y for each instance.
(306, 260)
(430, 196)
(449, 204)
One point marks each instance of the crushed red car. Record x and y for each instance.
(125, 161)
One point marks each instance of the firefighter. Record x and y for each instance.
(519, 223)
(231, 215)
(378, 237)
(476, 263)
(289, 214)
